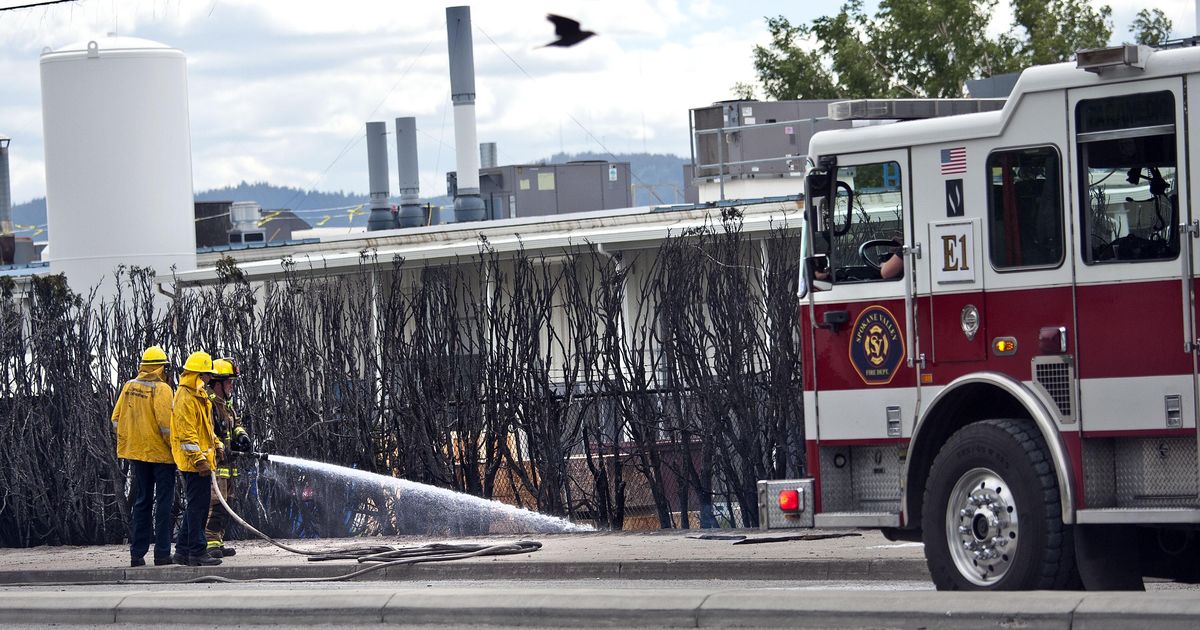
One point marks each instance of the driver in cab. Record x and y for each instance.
(891, 264)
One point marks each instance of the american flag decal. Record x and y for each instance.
(954, 161)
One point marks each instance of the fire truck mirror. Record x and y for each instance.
(816, 184)
(817, 274)
(844, 202)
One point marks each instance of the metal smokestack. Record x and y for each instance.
(381, 211)
(487, 155)
(411, 214)
(6, 226)
(468, 206)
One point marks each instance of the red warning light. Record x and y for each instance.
(789, 500)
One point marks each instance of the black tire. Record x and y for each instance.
(1005, 493)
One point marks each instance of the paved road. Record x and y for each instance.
(571, 606)
(625, 580)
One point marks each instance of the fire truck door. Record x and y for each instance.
(862, 336)
(1134, 288)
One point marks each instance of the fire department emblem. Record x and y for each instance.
(876, 345)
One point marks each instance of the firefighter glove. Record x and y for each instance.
(241, 441)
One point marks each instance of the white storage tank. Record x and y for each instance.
(118, 159)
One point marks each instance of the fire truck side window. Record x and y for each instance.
(866, 229)
(1025, 218)
(1128, 178)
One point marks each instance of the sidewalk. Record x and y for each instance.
(660, 555)
(587, 608)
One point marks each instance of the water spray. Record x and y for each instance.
(262, 457)
(382, 555)
(378, 556)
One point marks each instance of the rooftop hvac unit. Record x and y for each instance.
(245, 216)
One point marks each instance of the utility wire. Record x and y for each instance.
(31, 5)
(573, 118)
(358, 136)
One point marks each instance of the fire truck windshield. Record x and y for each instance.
(863, 229)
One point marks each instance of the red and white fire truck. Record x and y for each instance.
(1000, 328)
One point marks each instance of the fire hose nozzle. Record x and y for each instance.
(259, 456)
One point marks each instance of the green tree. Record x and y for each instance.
(743, 90)
(919, 47)
(1050, 31)
(931, 48)
(1151, 27)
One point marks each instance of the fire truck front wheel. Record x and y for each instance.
(992, 518)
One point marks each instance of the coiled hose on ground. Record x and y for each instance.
(379, 556)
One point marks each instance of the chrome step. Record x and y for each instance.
(857, 519)
(1141, 516)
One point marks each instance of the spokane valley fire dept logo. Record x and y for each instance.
(876, 345)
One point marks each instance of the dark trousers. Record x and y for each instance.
(153, 491)
(191, 531)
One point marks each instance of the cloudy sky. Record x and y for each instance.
(280, 88)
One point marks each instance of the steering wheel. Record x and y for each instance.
(866, 246)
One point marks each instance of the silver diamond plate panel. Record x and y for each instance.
(769, 514)
(1099, 485)
(837, 487)
(1156, 472)
(877, 477)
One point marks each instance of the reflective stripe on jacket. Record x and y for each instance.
(228, 426)
(142, 418)
(192, 437)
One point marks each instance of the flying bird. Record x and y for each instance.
(567, 30)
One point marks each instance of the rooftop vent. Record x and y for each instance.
(1100, 59)
(910, 108)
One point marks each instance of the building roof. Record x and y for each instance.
(281, 222)
(625, 228)
(25, 269)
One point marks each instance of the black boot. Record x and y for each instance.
(227, 551)
(137, 562)
(165, 560)
(203, 561)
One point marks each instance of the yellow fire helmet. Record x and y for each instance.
(199, 362)
(154, 355)
(225, 368)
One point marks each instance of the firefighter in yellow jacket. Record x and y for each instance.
(232, 435)
(142, 420)
(194, 446)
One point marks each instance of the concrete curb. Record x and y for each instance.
(586, 608)
(806, 570)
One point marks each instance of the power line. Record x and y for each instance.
(358, 136)
(569, 115)
(31, 5)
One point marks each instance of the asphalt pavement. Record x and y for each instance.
(810, 555)
(576, 580)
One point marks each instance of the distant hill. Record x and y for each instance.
(270, 196)
(31, 213)
(658, 179)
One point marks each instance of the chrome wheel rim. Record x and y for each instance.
(982, 526)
